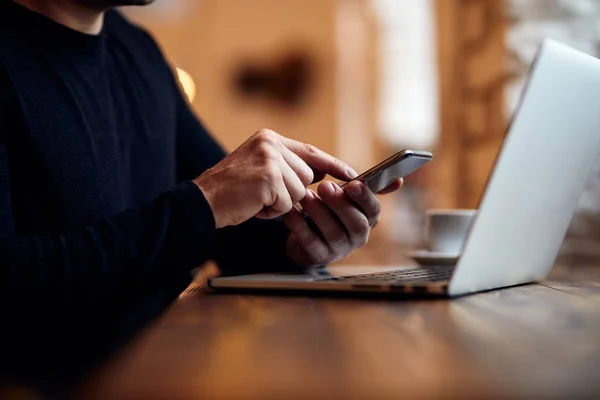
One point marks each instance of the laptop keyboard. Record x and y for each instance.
(429, 274)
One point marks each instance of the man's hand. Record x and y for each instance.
(265, 177)
(343, 219)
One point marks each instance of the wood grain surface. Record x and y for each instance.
(539, 340)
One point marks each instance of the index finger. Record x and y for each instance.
(319, 160)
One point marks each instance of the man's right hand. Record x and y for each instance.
(265, 177)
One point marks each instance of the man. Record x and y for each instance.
(111, 191)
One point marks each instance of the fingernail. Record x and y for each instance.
(355, 190)
(351, 172)
(334, 187)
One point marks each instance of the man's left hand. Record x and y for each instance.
(343, 217)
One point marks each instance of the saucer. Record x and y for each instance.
(426, 257)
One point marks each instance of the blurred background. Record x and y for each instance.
(362, 79)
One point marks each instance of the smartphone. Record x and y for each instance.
(397, 166)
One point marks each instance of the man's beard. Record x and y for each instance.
(114, 3)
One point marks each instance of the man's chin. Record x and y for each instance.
(135, 2)
(116, 3)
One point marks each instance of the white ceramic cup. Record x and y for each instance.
(447, 229)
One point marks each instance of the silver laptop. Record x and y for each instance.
(532, 193)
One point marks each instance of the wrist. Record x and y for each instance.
(209, 196)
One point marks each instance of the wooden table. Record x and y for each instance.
(541, 339)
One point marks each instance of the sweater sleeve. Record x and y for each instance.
(114, 262)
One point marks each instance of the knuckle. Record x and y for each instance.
(266, 135)
(286, 205)
(267, 196)
(362, 227)
(265, 144)
(337, 238)
(376, 208)
(297, 194)
(338, 164)
(306, 175)
(271, 173)
(266, 151)
(311, 150)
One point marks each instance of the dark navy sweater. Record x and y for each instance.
(99, 223)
